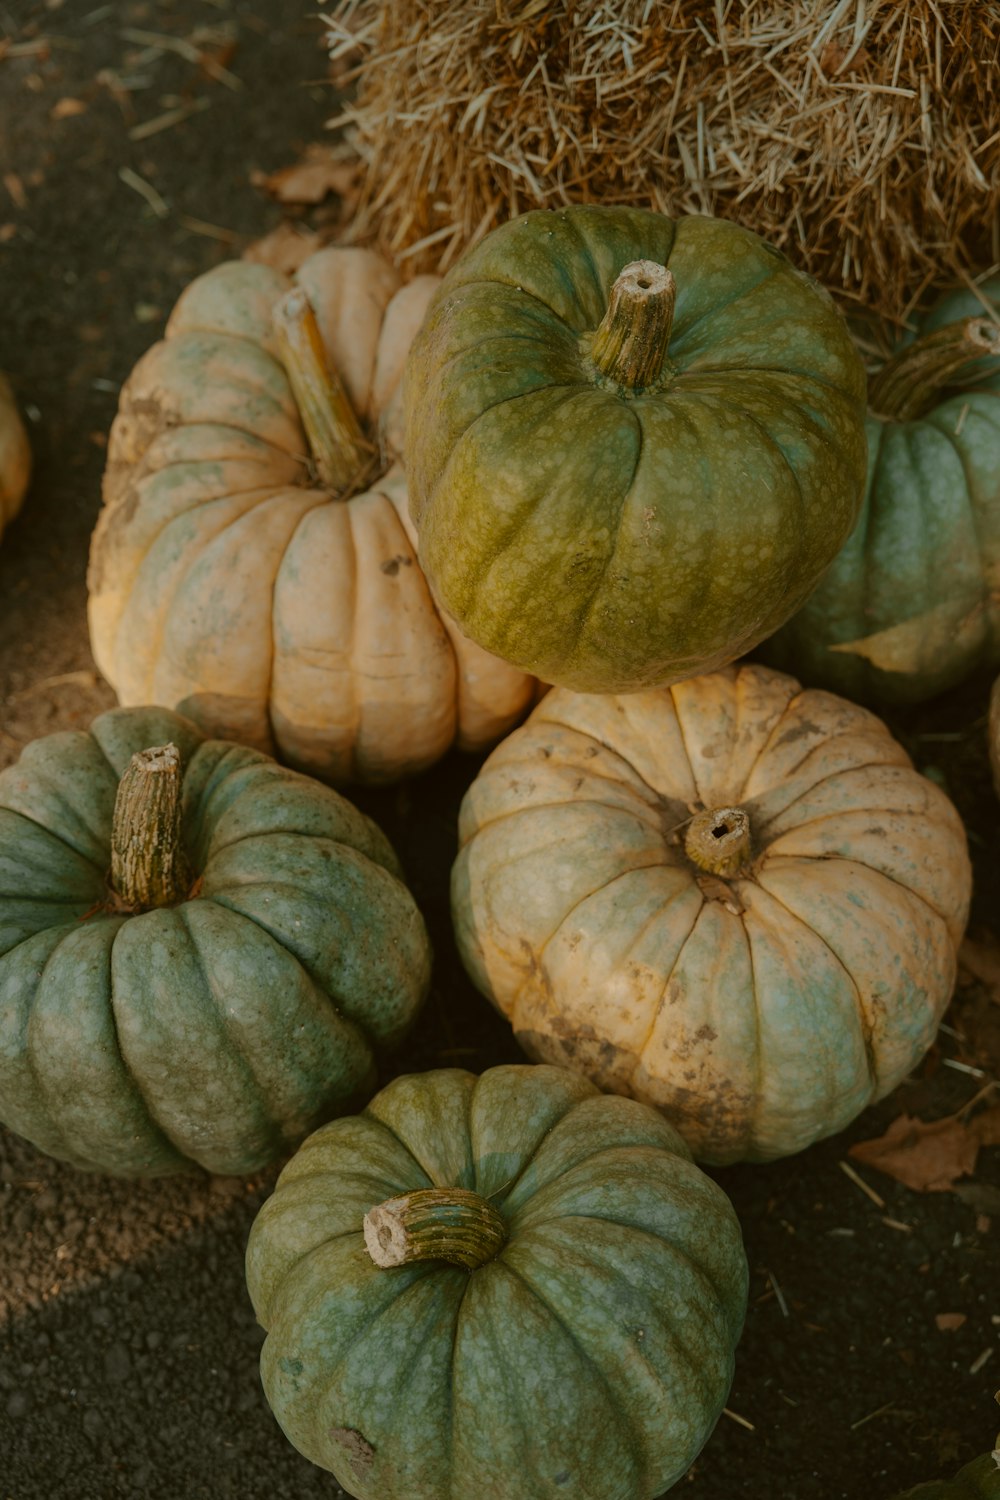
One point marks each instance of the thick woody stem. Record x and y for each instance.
(718, 841)
(342, 454)
(148, 867)
(909, 383)
(630, 346)
(451, 1224)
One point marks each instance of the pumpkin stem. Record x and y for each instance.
(718, 841)
(343, 456)
(148, 867)
(909, 382)
(449, 1224)
(630, 346)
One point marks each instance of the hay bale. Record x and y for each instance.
(863, 137)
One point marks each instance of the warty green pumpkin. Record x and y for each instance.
(201, 953)
(497, 1286)
(911, 604)
(15, 455)
(733, 899)
(254, 564)
(979, 1480)
(633, 443)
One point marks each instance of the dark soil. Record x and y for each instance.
(128, 1349)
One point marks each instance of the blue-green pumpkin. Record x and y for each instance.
(911, 604)
(201, 953)
(498, 1286)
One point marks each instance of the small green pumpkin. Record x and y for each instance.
(633, 443)
(228, 986)
(498, 1286)
(979, 1480)
(911, 604)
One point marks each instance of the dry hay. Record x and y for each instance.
(863, 136)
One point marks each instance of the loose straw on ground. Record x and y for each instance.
(859, 136)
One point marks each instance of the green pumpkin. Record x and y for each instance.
(498, 1286)
(621, 474)
(911, 604)
(979, 1480)
(228, 988)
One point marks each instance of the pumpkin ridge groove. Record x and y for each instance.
(595, 891)
(51, 833)
(585, 734)
(377, 1120)
(679, 719)
(587, 608)
(974, 516)
(155, 1124)
(868, 765)
(865, 1026)
(636, 1444)
(630, 1228)
(661, 1001)
(155, 648)
(249, 1071)
(37, 1075)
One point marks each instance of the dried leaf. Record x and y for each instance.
(321, 171)
(930, 1157)
(15, 188)
(285, 248)
(950, 1322)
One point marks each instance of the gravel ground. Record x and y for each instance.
(128, 1349)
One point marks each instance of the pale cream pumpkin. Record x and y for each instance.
(731, 898)
(250, 565)
(15, 456)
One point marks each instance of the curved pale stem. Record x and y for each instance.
(630, 345)
(450, 1224)
(910, 382)
(343, 456)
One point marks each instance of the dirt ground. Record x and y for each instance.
(128, 1349)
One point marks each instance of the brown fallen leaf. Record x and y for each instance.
(950, 1322)
(930, 1157)
(15, 188)
(284, 248)
(320, 171)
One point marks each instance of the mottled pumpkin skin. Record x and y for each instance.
(608, 540)
(591, 1357)
(979, 1480)
(227, 582)
(911, 604)
(15, 456)
(761, 1012)
(218, 1031)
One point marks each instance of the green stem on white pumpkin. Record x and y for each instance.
(630, 345)
(911, 380)
(342, 454)
(451, 1224)
(148, 867)
(718, 841)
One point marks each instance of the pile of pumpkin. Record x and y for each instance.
(721, 910)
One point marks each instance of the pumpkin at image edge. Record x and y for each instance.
(228, 987)
(15, 456)
(633, 443)
(911, 604)
(556, 1300)
(979, 1480)
(253, 566)
(733, 899)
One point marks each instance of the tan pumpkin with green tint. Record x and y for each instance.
(633, 443)
(15, 456)
(733, 899)
(254, 563)
(501, 1286)
(201, 953)
(911, 604)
